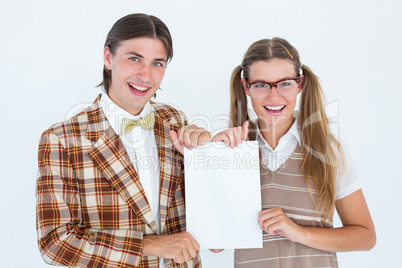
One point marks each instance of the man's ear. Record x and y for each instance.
(107, 58)
(245, 88)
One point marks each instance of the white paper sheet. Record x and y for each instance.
(223, 196)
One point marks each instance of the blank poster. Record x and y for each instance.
(223, 196)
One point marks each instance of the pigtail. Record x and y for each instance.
(320, 160)
(238, 100)
(238, 103)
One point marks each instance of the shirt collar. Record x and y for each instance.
(114, 113)
(293, 131)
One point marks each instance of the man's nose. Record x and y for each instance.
(144, 73)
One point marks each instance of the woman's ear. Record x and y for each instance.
(301, 82)
(245, 88)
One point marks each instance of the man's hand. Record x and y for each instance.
(180, 247)
(189, 137)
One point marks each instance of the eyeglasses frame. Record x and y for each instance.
(274, 84)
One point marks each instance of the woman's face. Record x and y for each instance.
(275, 109)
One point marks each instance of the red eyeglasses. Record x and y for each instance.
(286, 87)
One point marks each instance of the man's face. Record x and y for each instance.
(137, 68)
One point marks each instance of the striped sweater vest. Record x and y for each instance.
(286, 188)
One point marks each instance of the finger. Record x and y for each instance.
(221, 137)
(198, 136)
(238, 135)
(272, 229)
(261, 222)
(195, 243)
(263, 216)
(268, 224)
(232, 138)
(186, 255)
(176, 142)
(216, 138)
(181, 133)
(187, 136)
(194, 138)
(193, 247)
(278, 223)
(245, 129)
(192, 252)
(204, 137)
(184, 138)
(179, 259)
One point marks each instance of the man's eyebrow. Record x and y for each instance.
(136, 54)
(140, 56)
(160, 59)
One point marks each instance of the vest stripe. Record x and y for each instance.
(286, 188)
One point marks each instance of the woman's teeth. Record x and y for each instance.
(140, 88)
(274, 108)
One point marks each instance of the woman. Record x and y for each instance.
(301, 181)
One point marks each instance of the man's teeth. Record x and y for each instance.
(274, 108)
(140, 88)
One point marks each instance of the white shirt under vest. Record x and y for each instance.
(347, 180)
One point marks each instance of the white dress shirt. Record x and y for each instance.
(347, 180)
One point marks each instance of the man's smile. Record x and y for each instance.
(136, 87)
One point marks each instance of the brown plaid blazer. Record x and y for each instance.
(91, 207)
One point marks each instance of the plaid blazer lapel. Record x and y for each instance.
(110, 157)
(169, 160)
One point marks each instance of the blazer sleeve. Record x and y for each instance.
(62, 238)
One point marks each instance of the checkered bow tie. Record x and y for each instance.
(147, 122)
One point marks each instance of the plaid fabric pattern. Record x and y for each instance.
(91, 208)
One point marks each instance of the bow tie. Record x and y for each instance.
(147, 122)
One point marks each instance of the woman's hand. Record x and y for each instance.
(189, 137)
(275, 221)
(357, 233)
(233, 137)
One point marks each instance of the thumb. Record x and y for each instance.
(245, 129)
(176, 142)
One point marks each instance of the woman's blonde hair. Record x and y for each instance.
(320, 160)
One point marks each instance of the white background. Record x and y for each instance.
(51, 61)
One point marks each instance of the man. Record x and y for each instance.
(110, 190)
